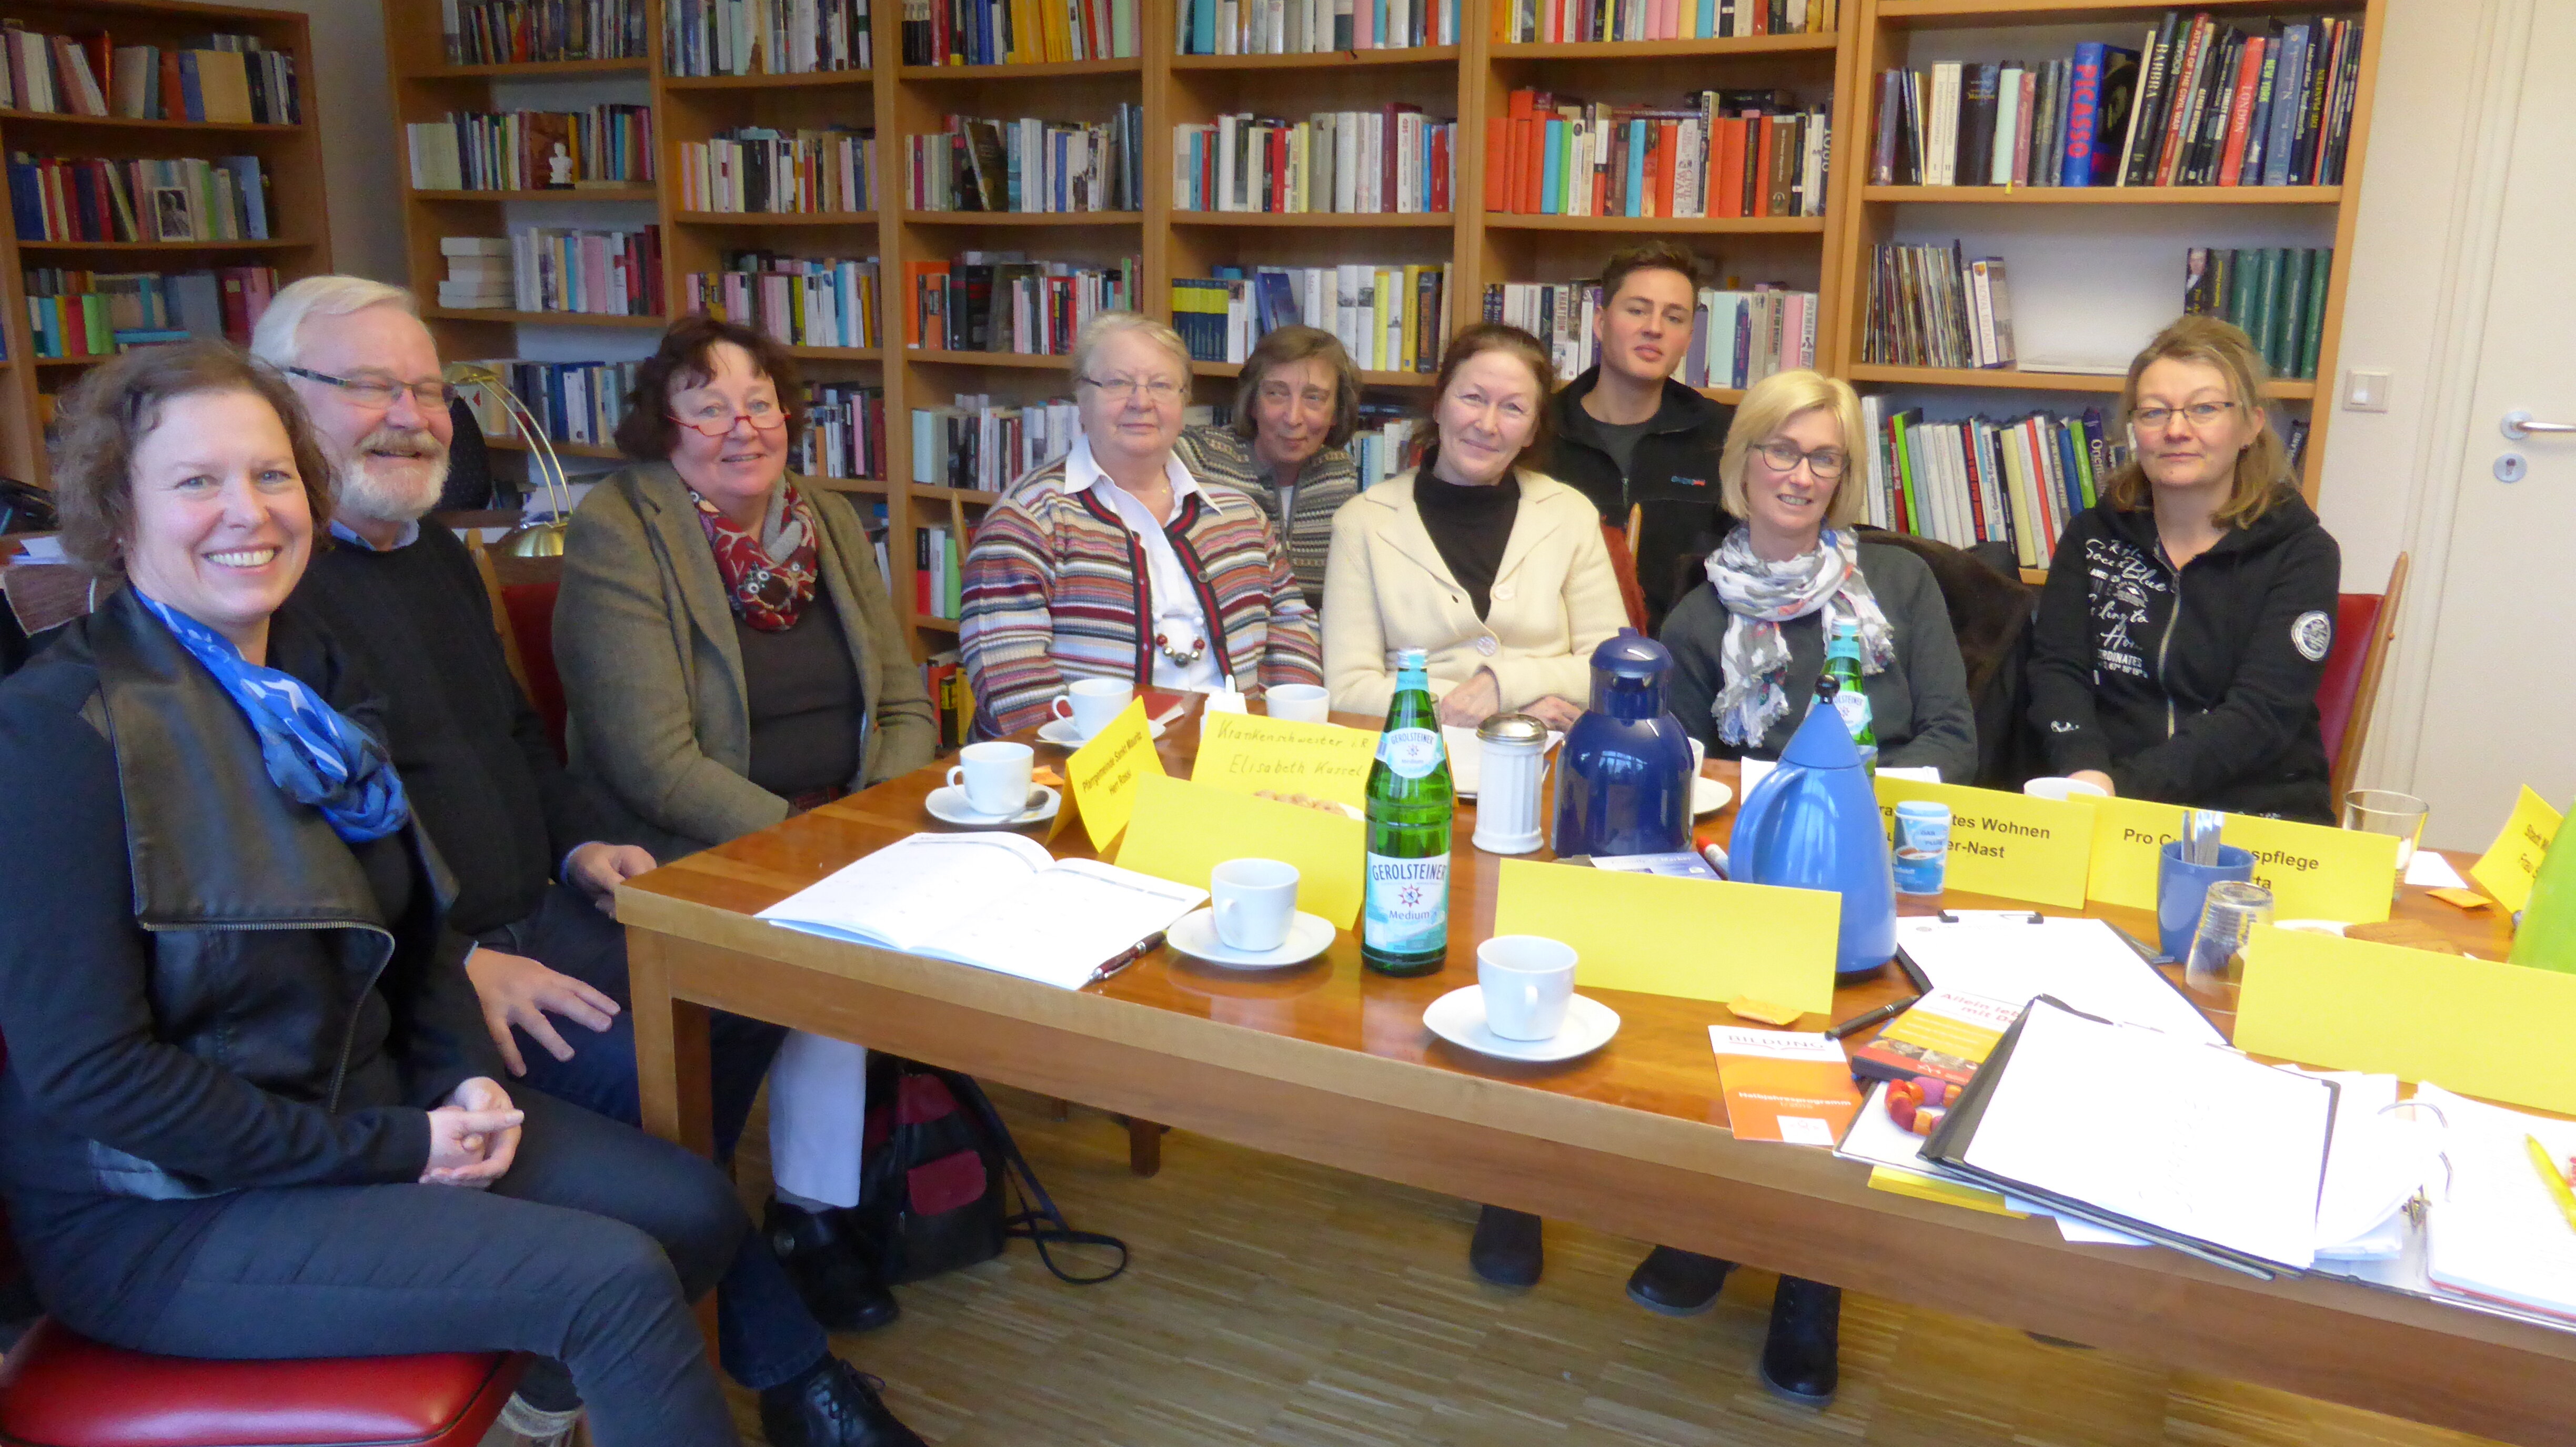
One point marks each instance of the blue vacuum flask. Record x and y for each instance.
(1623, 776)
(1814, 824)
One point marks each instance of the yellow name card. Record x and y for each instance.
(2510, 862)
(2481, 1027)
(2006, 844)
(1181, 830)
(1695, 938)
(2319, 873)
(1250, 752)
(2128, 835)
(1104, 773)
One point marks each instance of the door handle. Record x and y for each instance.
(2518, 425)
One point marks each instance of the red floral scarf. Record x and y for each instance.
(769, 586)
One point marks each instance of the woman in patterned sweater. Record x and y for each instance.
(1115, 562)
(1295, 408)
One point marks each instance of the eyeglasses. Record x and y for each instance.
(378, 393)
(2199, 414)
(1825, 462)
(719, 422)
(1161, 391)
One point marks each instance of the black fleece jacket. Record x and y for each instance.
(2194, 687)
(1672, 476)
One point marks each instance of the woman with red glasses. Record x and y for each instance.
(730, 657)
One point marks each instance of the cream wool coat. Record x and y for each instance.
(1385, 587)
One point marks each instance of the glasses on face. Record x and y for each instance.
(1161, 391)
(1280, 394)
(1826, 463)
(2198, 414)
(718, 420)
(377, 394)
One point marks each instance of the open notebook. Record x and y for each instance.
(2493, 1234)
(997, 901)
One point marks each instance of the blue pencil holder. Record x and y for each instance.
(2181, 887)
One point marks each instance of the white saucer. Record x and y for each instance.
(1195, 935)
(1459, 1018)
(948, 805)
(1060, 731)
(1708, 796)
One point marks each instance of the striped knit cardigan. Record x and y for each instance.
(1214, 453)
(1056, 589)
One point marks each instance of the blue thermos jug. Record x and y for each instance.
(1623, 777)
(1814, 824)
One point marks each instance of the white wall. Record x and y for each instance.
(361, 164)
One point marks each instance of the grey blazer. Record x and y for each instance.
(652, 672)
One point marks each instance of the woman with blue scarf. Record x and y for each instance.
(250, 1109)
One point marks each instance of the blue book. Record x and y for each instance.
(1636, 184)
(2083, 108)
(2070, 481)
(27, 200)
(252, 195)
(1707, 21)
(1551, 183)
(1202, 27)
(2290, 87)
(191, 98)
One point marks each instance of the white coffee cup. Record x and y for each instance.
(1528, 981)
(2057, 788)
(994, 775)
(1254, 900)
(1300, 702)
(1092, 702)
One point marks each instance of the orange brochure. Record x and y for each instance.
(1786, 1087)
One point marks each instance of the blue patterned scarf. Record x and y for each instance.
(312, 750)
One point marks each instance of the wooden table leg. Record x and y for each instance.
(1144, 1146)
(673, 1085)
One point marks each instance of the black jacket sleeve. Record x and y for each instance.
(2061, 662)
(75, 1007)
(1695, 634)
(2269, 701)
(1944, 726)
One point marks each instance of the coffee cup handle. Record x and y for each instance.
(1060, 706)
(957, 778)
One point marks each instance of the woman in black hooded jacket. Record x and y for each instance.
(2188, 614)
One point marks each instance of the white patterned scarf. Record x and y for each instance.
(1759, 597)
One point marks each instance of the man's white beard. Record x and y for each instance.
(392, 489)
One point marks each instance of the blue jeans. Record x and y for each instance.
(764, 1333)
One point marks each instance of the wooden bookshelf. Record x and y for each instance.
(290, 155)
(1471, 80)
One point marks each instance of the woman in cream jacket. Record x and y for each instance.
(1498, 572)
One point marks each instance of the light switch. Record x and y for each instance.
(2365, 391)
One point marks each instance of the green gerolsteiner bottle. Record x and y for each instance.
(1842, 685)
(1404, 928)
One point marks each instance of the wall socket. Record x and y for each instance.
(2365, 391)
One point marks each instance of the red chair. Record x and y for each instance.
(1623, 565)
(2349, 692)
(522, 593)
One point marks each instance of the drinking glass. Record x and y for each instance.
(2228, 915)
(2385, 811)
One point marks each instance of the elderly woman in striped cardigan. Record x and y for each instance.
(1115, 562)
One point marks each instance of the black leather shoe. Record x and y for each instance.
(831, 1269)
(1676, 1282)
(1507, 1250)
(834, 1407)
(1799, 1356)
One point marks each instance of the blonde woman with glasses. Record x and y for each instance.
(1114, 561)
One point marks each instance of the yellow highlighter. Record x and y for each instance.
(2548, 1169)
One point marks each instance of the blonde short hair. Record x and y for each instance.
(1767, 408)
(1109, 324)
(2262, 468)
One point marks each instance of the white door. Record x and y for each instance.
(2498, 696)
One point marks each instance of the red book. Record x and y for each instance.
(2240, 113)
(1726, 198)
(1529, 139)
(2195, 48)
(1498, 166)
(174, 102)
(1668, 140)
(1441, 161)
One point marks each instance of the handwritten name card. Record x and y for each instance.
(1251, 752)
(1104, 773)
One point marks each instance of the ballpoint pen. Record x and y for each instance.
(1863, 1021)
(2559, 1195)
(1126, 957)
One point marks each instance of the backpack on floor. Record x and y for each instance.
(936, 1179)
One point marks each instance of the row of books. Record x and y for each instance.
(1737, 338)
(1028, 164)
(2276, 293)
(1017, 32)
(567, 269)
(1393, 159)
(977, 444)
(2209, 106)
(604, 145)
(190, 198)
(801, 300)
(1390, 318)
(227, 78)
(1000, 301)
(74, 314)
(844, 434)
(1721, 154)
(575, 403)
(1311, 27)
(515, 32)
(759, 168)
(765, 37)
(1389, 440)
(2017, 480)
(938, 573)
(1929, 306)
(952, 698)
(1554, 22)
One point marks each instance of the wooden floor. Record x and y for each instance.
(1275, 1302)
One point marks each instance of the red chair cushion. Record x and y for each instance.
(2356, 621)
(59, 1389)
(531, 607)
(1624, 568)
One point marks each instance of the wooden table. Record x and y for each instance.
(1329, 1064)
